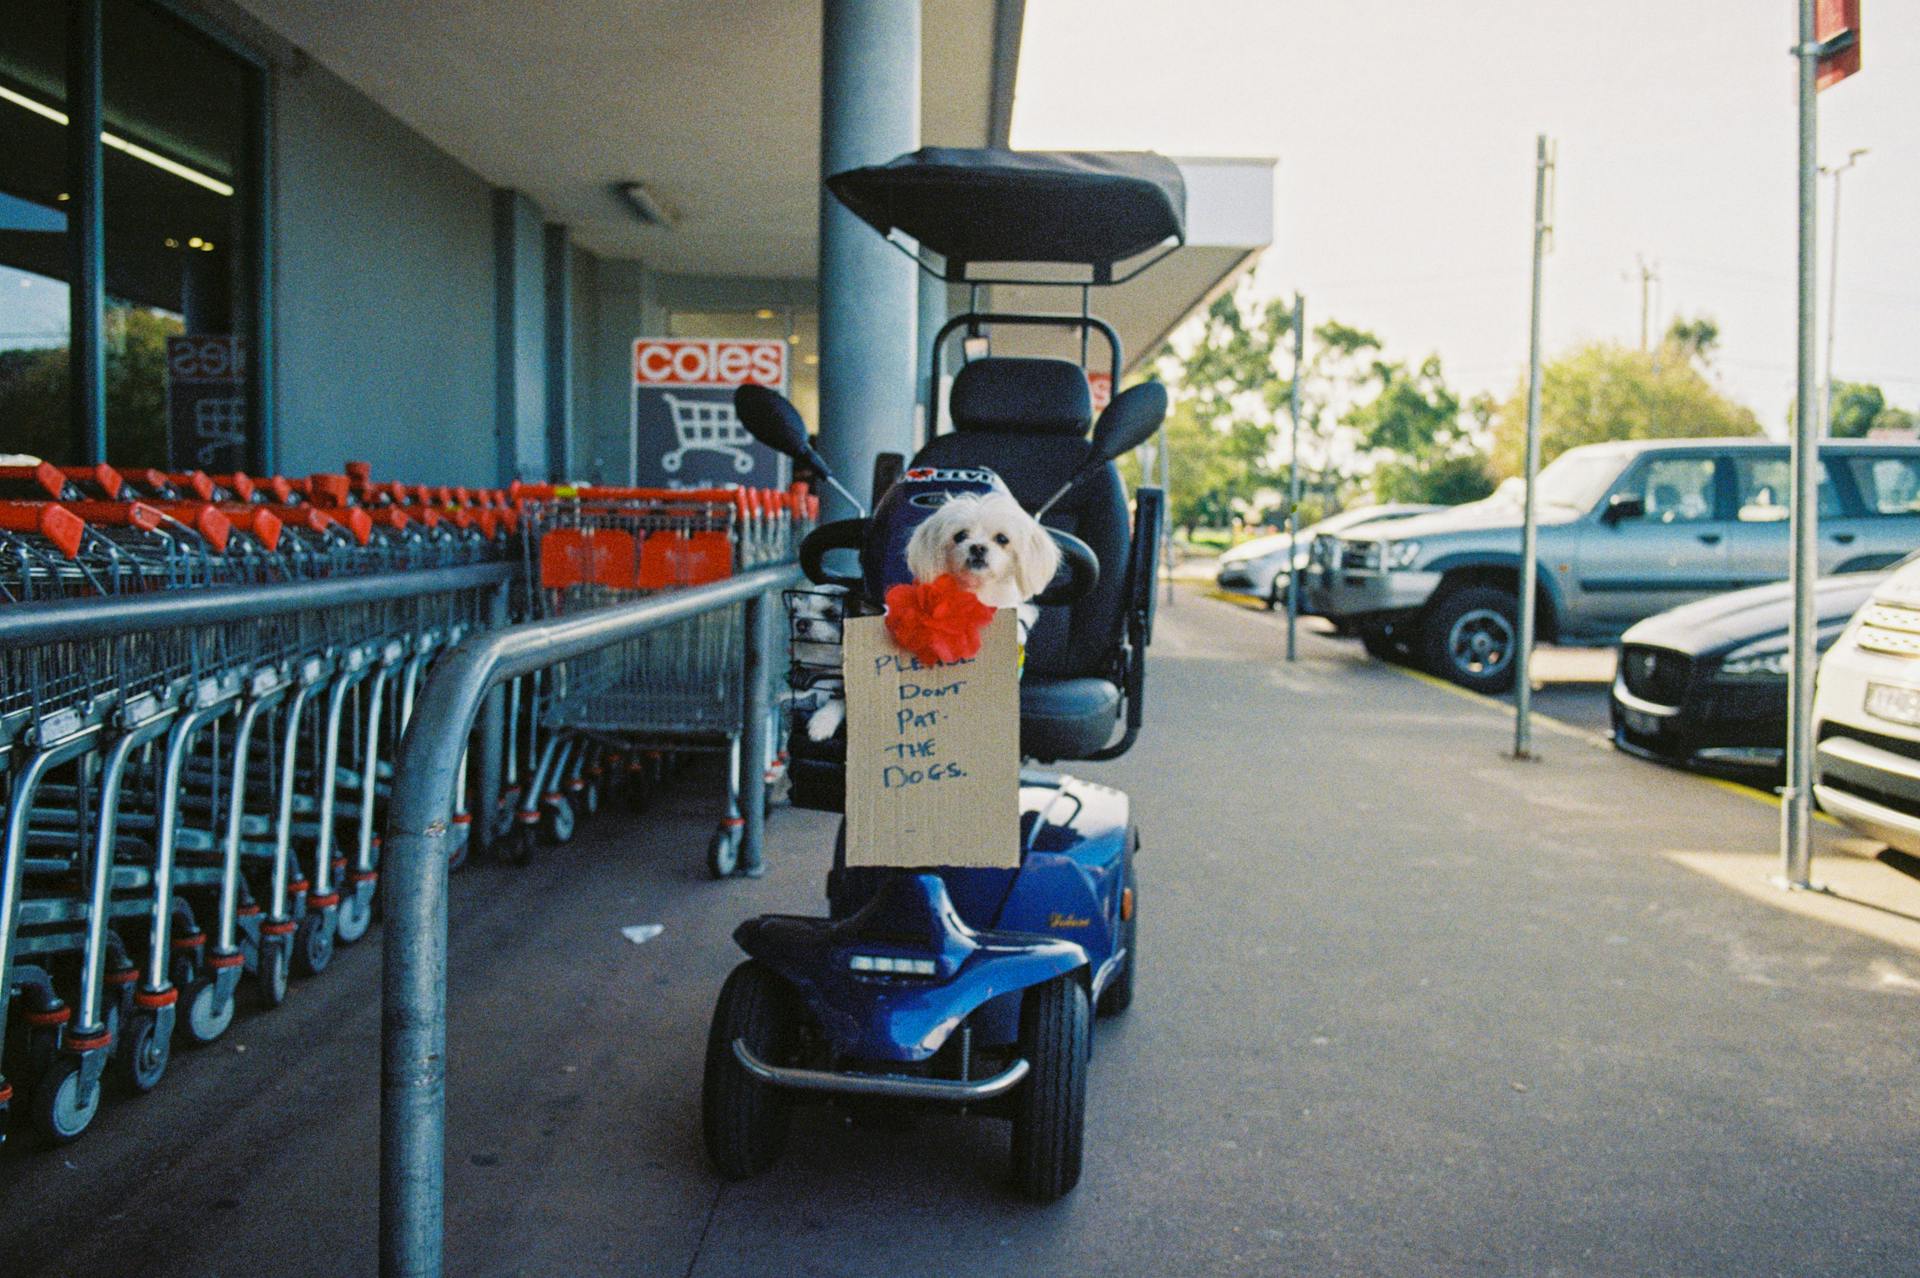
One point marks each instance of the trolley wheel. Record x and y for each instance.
(313, 944)
(1050, 1107)
(274, 965)
(723, 853)
(590, 798)
(517, 847)
(557, 820)
(62, 1108)
(744, 1120)
(141, 1061)
(206, 1019)
(355, 917)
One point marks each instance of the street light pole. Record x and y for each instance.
(1293, 471)
(1833, 281)
(1796, 808)
(1530, 528)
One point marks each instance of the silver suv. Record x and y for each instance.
(1626, 530)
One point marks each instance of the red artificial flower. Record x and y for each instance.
(938, 621)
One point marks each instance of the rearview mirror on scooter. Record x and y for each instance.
(770, 418)
(1125, 424)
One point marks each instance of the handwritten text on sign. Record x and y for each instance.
(933, 752)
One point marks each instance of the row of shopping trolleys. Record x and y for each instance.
(193, 812)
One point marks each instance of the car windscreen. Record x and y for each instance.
(1574, 481)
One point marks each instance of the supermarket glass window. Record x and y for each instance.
(1888, 485)
(181, 183)
(33, 229)
(1765, 487)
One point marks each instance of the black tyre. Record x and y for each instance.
(1382, 645)
(517, 847)
(723, 854)
(745, 1120)
(141, 1055)
(313, 944)
(1469, 637)
(62, 1108)
(1277, 594)
(1050, 1107)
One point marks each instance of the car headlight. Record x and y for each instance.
(1766, 663)
(1401, 554)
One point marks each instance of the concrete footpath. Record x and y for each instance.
(1406, 1007)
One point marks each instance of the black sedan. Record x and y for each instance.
(1705, 684)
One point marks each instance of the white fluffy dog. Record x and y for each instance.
(995, 549)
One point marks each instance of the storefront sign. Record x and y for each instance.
(207, 403)
(933, 752)
(684, 432)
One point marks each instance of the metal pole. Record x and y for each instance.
(1833, 289)
(1166, 529)
(1796, 810)
(492, 743)
(413, 1025)
(1293, 472)
(1530, 529)
(86, 242)
(755, 736)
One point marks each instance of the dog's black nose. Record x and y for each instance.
(976, 555)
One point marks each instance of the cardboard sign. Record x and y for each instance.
(933, 752)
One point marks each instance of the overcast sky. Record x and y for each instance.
(1405, 128)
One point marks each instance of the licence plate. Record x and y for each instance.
(1647, 725)
(1894, 703)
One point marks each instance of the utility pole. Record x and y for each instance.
(1833, 281)
(1649, 276)
(1543, 161)
(1293, 471)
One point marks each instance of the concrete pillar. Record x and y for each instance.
(935, 307)
(520, 352)
(559, 264)
(869, 113)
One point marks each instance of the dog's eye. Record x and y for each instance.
(999, 539)
(960, 537)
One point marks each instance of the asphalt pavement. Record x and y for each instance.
(1407, 1006)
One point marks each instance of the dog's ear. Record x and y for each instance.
(1038, 558)
(926, 549)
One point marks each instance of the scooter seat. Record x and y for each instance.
(1063, 717)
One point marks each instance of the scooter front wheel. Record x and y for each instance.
(744, 1119)
(1050, 1108)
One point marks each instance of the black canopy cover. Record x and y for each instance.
(1093, 208)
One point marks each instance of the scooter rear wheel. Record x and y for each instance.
(745, 1120)
(1050, 1108)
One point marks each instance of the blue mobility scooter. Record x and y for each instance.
(962, 986)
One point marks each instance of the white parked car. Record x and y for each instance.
(1259, 567)
(1866, 716)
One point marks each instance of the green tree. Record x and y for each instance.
(1861, 408)
(1604, 391)
(1698, 338)
(1205, 476)
(34, 386)
(1423, 450)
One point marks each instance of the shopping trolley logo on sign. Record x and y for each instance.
(682, 375)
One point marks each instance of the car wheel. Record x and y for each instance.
(1470, 637)
(1383, 645)
(1276, 594)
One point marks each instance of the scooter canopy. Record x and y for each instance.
(1089, 208)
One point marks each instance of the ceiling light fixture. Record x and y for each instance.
(645, 205)
(119, 143)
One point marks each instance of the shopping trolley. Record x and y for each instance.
(645, 703)
(194, 803)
